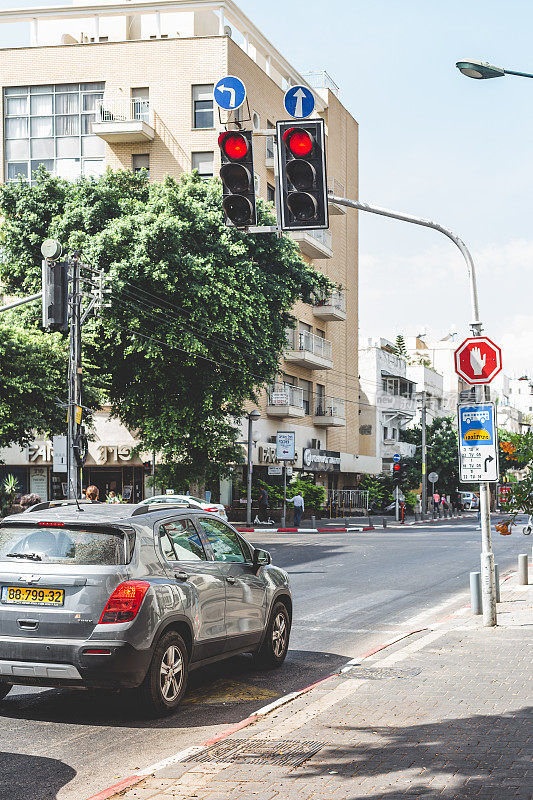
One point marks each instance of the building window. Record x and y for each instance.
(140, 103)
(270, 141)
(320, 400)
(307, 387)
(51, 126)
(202, 106)
(139, 162)
(271, 194)
(203, 162)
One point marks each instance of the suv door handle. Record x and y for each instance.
(181, 575)
(231, 579)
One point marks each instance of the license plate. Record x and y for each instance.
(33, 597)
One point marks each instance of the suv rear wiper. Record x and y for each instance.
(31, 556)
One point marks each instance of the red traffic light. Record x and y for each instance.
(299, 142)
(233, 144)
(396, 467)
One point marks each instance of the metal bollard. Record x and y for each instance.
(497, 580)
(475, 592)
(522, 570)
(384, 522)
(369, 521)
(313, 522)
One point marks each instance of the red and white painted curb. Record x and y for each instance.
(350, 529)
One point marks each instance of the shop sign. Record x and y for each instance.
(39, 482)
(113, 452)
(39, 450)
(321, 460)
(267, 454)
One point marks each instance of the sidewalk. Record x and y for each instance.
(442, 714)
(350, 524)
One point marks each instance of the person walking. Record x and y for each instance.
(299, 508)
(263, 505)
(436, 501)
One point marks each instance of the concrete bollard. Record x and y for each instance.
(497, 580)
(522, 570)
(384, 522)
(417, 516)
(369, 521)
(313, 522)
(475, 592)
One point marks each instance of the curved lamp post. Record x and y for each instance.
(253, 416)
(482, 70)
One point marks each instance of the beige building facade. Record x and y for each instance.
(129, 85)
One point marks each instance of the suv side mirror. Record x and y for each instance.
(261, 558)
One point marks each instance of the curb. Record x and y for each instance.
(354, 529)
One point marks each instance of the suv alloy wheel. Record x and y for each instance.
(163, 688)
(272, 652)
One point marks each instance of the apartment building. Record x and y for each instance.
(388, 401)
(129, 85)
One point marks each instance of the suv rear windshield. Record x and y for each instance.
(64, 545)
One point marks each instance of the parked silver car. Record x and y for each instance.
(127, 596)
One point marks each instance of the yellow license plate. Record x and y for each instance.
(31, 596)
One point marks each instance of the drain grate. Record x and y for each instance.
(254, 751)
(379, 674)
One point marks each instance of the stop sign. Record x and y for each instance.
(478, 360)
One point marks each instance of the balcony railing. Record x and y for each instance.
(336, 299)
(321, 80)
(284, 394)
(124, 110)
(322, 236)
(310, 343)
(330, 407)
(336, 187)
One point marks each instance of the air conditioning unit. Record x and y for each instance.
(272, 439)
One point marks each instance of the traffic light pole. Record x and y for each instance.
(488, 583)
(424, 457)
(74, 378)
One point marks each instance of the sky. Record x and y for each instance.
(432, 143)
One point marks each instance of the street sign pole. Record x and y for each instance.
(488, 587)
(424, 458)
(283, 523)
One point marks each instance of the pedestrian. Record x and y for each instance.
(29, 500)
(299, 508)
(112, 498)
(263, 505)
(436, 500)
(92, 493)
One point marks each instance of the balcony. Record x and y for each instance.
(124, 121)
(285, 400)
(332, 309)
(336, 188)
(389, 447)
(314, 243)
(330, 412)
(309, 350)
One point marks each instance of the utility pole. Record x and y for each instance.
(488, 583)
(74, 380)
(424, 456)
(252, 417)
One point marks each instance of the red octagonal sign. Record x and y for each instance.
(478, 360)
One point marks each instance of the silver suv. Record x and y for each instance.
(125, 596)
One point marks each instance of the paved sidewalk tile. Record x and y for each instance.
(446, 717)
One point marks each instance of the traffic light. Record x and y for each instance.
(396, 473)
(55, 295)
(302, 173)
(237, 176)
(404, 474)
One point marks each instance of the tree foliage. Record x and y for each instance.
(442, 453)
(32, 383)
(198, 311)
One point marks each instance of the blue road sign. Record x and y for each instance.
(478, 442)
(299, 102)
(396, 457)
(229, 93)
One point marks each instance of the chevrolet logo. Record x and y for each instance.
(29, 578)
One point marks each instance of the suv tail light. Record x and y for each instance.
(125, 602)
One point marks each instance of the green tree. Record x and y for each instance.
(379, 489)
(442, 454)
(32, 383)
(198, 311)
(399, 347)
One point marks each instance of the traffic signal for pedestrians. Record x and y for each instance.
(55, 295)
(237, 176)
(302, 173)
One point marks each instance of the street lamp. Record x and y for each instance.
(253, 416)
(481, 70)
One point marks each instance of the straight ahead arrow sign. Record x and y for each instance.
(298, 108)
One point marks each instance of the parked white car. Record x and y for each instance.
(187, 500)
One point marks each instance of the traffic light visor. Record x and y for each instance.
(236, 177)
(299, 142)
(238, 208)
(302, 205)
(301, 174)
(233, 144)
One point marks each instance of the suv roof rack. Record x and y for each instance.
(56, 504)
(149, 509)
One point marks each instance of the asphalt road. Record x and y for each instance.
(351, 592)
